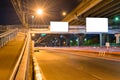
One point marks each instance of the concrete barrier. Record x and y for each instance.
(20, 68)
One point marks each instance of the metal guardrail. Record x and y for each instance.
(21, 67)
(7, 36)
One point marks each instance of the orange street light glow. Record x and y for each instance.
(33, 35)
(64, 13)
(39, 11)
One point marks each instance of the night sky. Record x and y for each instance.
(9, 16)
(7, 13)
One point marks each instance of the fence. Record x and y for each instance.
(7, 36)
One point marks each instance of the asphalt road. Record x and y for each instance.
(62, 65)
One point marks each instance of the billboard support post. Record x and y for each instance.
(101, 42)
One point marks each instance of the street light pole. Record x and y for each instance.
(33, 20)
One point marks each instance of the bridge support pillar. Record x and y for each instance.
(67, 42)
(117, 38)
(101, 42)
(81, 39)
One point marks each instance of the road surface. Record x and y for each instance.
(62, 65)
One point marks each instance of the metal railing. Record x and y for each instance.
(7, 36)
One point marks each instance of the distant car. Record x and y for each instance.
(36, 51)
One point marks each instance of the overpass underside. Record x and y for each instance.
(94, 8)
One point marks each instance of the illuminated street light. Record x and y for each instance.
(64, 13)
(64, 42)
(39, 11)
(76, 40)
(85, 39)
(71, 41)
(33, 17)
(33, 35)
(116, 18)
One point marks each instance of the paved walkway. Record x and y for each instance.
(9, 55)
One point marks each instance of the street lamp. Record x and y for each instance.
(116, 18)
(64, 13)
(33, 34)
(33, 17)
(32, 20)
(39, 11)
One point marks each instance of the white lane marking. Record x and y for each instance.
(97, 77)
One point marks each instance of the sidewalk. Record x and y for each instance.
(9, 55)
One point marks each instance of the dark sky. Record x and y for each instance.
(9, 16)
(7, 13)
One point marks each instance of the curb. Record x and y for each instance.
(38, 72)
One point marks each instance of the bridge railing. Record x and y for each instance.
(7, 36)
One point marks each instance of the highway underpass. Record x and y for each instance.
(66, 65)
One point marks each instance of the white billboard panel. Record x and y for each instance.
(96, 24)
(58, 26)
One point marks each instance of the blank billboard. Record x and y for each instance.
(96, 24)
(58, 26)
